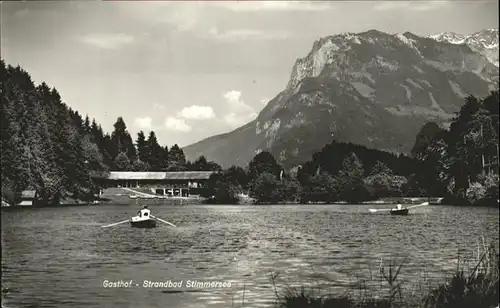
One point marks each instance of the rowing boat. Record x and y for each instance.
(399, 210)
(143, 220)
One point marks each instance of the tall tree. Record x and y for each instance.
(465, 154)
(221, 189)
(237, 175)
(164, 159)
(176, 159)
(122, 162)
(121, 140)
(86, 125)
(142, 147)
(263, 162)
(155, 152)
(44, 143)
(427, 133)
(350, 180)
(266, 188)
(201, 164)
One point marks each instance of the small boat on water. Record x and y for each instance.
(143, 219)
(399, 210)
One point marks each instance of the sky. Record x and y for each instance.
(189, 70)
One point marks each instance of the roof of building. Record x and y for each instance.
(158, 175)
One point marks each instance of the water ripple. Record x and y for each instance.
(60, 257)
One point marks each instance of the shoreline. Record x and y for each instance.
(131, 197)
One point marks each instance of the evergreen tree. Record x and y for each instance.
(139, 165)
(96, 134)
(155, 154)
(427, 133)
(164, 158)
(350, 180)
(122, 162)
(108, 151)
(381, 168)
(122, 141)
(176, 159)
(142, 147)
(86, 125)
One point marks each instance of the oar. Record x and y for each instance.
(421, 204)
(164, 221)
(116, 223)
(378, 210)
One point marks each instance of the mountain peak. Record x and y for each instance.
(484, 42)
(374, 32)
(449, 37)
(370, 88)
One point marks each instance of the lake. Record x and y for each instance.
(60, 257)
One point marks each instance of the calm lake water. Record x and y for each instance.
(60, 257)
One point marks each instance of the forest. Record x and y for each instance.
(459, 164)
(51, 149)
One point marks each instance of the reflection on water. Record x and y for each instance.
(60, 257)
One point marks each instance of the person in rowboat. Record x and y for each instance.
(144, 207)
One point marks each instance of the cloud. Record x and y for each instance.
(181, 15)
(235, 103)
(239, 112)
(234, 120)
(240, 34)
(107, 40)
(264, 101)
(196, 112)
(144, 123)
(276, 5)
(409, 5)
(176, 124)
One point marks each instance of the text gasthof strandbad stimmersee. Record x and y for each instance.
(194, 284)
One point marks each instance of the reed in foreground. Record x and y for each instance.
(478, 288)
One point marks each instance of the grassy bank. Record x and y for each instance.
(473, 285)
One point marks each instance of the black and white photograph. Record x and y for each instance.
(250, 154)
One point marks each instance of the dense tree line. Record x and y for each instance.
(45, 145)
(337, 173)
(462, 163)
(50, 148)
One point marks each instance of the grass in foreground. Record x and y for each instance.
(478, 288)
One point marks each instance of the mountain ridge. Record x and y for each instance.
(370, 88)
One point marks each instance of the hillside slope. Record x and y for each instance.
(372, 88)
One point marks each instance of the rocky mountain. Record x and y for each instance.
(372, 88)
(484, 42)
